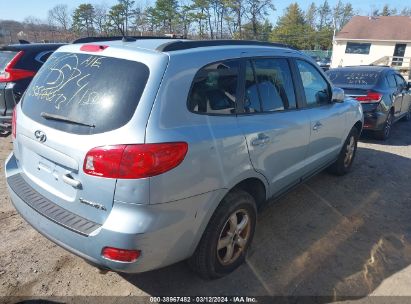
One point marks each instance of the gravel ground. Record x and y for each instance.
(333, 236)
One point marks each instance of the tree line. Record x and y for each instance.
(305, 28)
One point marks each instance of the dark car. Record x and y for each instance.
(18, 64)
(384, 95)
(325, 63)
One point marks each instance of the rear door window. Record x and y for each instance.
(252, 98)
(98, 91)
(214, 89)
(275, 84)
(400, 82)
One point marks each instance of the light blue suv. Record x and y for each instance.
(139, 153)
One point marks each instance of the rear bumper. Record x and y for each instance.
(374, 120)
(165, 233)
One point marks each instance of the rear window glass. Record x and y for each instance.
(98, 91)
(357, 78)
(5, 58)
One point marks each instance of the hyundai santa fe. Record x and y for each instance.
(139, 153)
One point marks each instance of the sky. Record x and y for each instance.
(20, 9)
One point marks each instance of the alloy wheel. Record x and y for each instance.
(234, 237)
(349, 152)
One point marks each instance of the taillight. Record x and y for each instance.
(120, 255)
(371, 97)
(134, 161)
(13, 123)
(11, 74)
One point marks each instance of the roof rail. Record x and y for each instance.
(113, 38)
(189, 44)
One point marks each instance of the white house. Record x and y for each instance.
(383, 40)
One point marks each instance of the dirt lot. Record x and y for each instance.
(333, 236)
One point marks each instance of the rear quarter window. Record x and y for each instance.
(94, 90)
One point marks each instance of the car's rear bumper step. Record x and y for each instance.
(49, 209)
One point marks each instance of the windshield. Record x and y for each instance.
(353, 78)
(97, 91)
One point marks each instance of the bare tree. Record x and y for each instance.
(101, 18)
(60, 16)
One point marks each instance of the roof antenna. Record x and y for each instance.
(127, 39)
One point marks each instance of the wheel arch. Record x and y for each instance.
(255, 187)
(254, 184)
(358, 125)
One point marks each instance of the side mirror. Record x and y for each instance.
(338, 95)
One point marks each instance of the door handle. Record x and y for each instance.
(69, 180)
(317, 126)
(261, 140)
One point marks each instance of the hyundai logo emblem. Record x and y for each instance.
(40, 136)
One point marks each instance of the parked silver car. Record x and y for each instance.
(140, 153)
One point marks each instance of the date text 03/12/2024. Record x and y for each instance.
(205, 299)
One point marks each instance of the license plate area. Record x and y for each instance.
(47, 175)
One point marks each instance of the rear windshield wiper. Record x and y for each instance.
(65, 119)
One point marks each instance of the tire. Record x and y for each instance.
(210, 262)
(385, 133)
(347, 154)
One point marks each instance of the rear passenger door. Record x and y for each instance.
(405, 95)
(277, 132)
(327, 119)
(395, 94)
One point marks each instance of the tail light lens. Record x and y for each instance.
(11, 74)
(13, 123)
(134, 161)
(371, 97)
(120, 255)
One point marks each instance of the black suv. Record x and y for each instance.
(18, 64)
(384, 95)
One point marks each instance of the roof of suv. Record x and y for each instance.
(168, 45)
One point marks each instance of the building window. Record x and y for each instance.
(358, 48)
